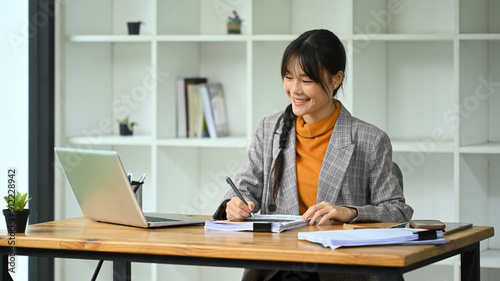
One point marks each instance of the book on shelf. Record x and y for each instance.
(214, 109)
(182, 104)
(196, 120)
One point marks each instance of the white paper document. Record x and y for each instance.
(365, 237)
(259, 223)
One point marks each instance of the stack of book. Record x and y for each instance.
(201, 110)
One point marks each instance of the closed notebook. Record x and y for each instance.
(259, 223)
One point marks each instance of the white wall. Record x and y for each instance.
(14, 104)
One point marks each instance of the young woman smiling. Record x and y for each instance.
(314, 158)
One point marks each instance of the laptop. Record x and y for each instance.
(104, 193)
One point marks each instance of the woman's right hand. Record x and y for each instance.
(236, 210)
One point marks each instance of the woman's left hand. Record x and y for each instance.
(329, 211)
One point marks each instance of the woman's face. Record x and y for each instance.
(308, 98)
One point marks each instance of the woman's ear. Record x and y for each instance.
(337, 79)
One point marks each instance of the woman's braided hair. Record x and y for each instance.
(316, 51)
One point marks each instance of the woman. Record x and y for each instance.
(315, 159)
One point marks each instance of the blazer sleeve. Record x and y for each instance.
(387, 201)
(250, 180)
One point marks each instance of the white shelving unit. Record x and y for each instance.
(427, 72)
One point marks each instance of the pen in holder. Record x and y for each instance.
(137, 188)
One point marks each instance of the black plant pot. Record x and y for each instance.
(16, 220)
(133, 27)
(125, 131)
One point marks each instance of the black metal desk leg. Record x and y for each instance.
(122, 271)
(469, 266)
(391, 276)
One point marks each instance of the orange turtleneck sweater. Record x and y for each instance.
(311, 144)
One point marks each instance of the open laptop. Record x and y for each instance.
(103, 191)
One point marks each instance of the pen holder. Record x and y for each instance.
(137, 189)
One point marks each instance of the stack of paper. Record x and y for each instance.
(364, 237)
(267, 223)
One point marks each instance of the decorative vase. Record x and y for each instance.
(133, 27)
(16, 220)
(234, 28)
(125, 131)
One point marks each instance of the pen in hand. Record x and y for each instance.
(235, 189)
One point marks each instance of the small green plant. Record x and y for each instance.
(235, 19)
(125, 121)
(17, 202)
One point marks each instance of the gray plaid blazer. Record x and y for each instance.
(356, 171)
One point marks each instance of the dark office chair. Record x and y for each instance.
(397, 172)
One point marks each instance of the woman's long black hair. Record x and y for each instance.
(316, 51)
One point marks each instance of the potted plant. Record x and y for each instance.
(234, 24)
(16, 216)
(134, 27)
(126, 127)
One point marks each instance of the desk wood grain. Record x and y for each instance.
(193, 241)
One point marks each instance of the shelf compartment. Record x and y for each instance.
(295, 17)
(106, 80)
(404, 88)
(216, 61)
(200, 17)
(479, 16)
(199, 185)
(479, 92)
(385, 16)
(479, 196)
(108, 17)
(428, 181)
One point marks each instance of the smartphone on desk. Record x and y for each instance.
(427, 224)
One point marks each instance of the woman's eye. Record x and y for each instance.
(288, 77)
(307, 81)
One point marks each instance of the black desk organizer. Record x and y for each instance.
(137, 188)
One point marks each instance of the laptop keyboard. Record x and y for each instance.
(157, 219)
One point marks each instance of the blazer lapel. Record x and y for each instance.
(337, 159)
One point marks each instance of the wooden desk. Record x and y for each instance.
(84, 239)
